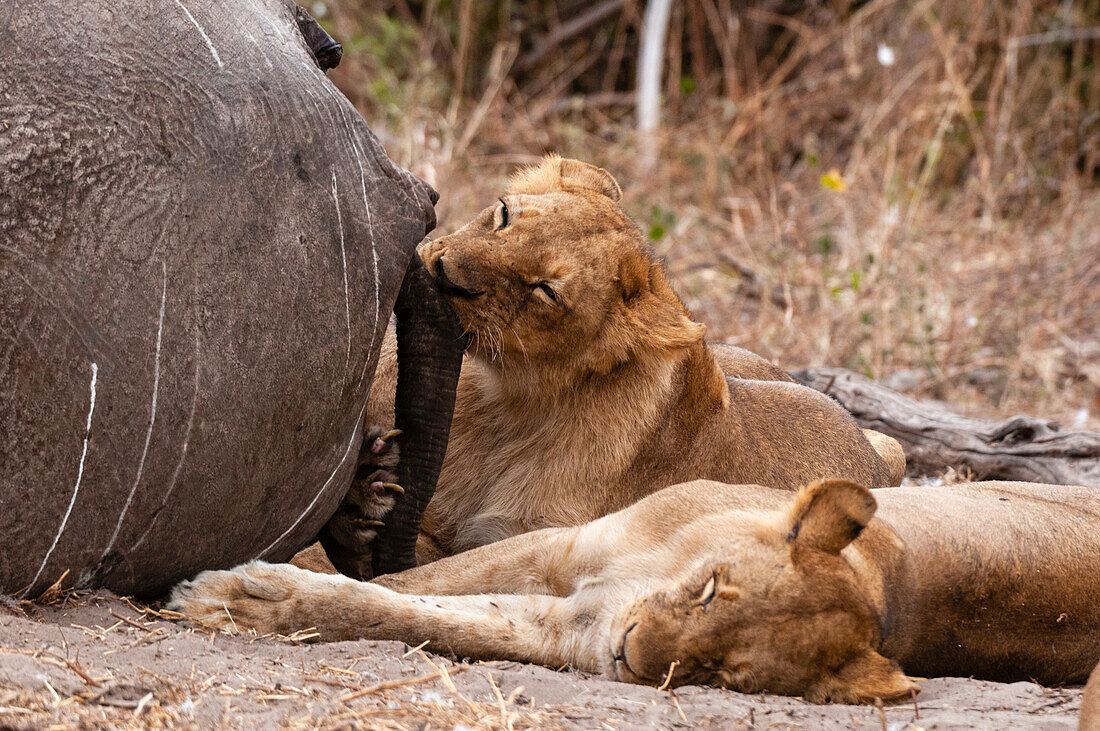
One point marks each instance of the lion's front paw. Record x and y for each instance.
(375, 486)
(255, 596)
(373, 491)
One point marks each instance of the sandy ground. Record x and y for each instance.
(93, 659)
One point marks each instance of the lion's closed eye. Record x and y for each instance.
(707, 595)
(718, 586)
(544, 291)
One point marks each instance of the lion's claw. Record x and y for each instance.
(381, 444)
(350, 533)
(390, 486)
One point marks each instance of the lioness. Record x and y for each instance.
(1090, 704)
(587, 385)
(739, 586)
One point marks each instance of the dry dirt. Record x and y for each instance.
(95, 660)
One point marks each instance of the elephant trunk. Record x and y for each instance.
(429, 356)
(326, 51)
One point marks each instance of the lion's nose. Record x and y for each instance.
(451, 281)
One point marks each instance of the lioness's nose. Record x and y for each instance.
(452, 282)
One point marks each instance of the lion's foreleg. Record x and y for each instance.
(540, 562)
(280, 598)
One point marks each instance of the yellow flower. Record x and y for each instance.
(833, 180)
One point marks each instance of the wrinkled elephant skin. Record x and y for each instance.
(200, 246)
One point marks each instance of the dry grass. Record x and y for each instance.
(95, 661)
(167, 695)
(162, 701)
(934, 222)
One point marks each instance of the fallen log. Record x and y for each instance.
(1020, 448)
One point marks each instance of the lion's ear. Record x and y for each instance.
(828, 515)
(863, 679)
(556, 174)
(589, 176)
(665, 326)
(656, 315)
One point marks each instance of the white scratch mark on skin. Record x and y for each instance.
(271, 28)
(183, 452)
(309, 508)
(340, 99)
(79, 477)
(344, 265)
(209, 43)
(341, 104)
(373, 250)
(152, 415)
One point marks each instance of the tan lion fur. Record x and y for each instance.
(588, 385)
(1090, 704)
(741, 586)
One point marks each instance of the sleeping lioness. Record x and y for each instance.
(739, 586)
(1090, 703)
(587, 385)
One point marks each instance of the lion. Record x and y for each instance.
(1090, 704)
(739, 586)
(587, 384)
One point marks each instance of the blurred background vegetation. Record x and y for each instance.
(910, 189)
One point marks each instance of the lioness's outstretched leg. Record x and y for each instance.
(532, 563)
(281, 598)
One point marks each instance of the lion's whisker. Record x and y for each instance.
(522, 347)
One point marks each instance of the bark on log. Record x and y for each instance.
(1021, 448)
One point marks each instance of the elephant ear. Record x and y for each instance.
(863, 679)
(828, 515)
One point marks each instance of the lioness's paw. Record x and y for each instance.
(254, 596)
(375, 487)
(372, 494)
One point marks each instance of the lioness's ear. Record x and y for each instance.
(829, 514)
(863, 679)
(653, 307)
(557, 174)
(666, 327)
(589, 176)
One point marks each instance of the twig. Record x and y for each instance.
(446, 678)
(142, 703)
(500, 700)
(668, 678)
(128, 621)
(53, 592)
(391, 684)
(75, 667)
(232, 621)
(56, 697)
(567, 30)
(679, 710)
(1065, 35)
(651, 61)
(418, 648)
(504, 54)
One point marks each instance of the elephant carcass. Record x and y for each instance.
(200, 246)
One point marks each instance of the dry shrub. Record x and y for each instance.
(934, 222)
